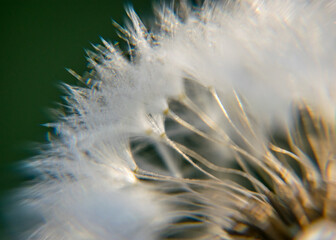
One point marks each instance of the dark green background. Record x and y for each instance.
(39, 39)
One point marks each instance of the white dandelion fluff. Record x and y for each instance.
(218, 123)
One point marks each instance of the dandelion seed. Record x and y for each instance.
(220, 125)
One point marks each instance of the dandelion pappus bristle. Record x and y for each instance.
(218, 124)
(284, 190)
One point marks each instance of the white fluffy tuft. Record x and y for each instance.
(271, 53)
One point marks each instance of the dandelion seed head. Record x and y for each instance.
(218, 124)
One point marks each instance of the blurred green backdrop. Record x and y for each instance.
(39, 39)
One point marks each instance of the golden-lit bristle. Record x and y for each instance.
(272, 189)
(305, 190)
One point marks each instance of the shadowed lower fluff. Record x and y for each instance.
(219, 123)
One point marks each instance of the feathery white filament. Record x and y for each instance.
(183, 128)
